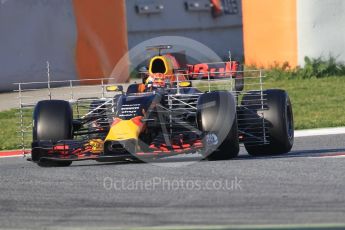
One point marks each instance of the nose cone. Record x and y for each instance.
(124, 129)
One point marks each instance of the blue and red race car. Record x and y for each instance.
(204, 108)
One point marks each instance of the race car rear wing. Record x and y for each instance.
(218, 70)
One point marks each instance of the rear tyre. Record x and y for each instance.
(280, 125)
(216, 117)
(53, 121)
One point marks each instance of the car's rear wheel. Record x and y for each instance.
(278, 117)
(53, 122)
(216, 118)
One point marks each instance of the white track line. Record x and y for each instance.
(13, 156)
(323, 157)
(319, 132)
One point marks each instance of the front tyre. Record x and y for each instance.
(216, 118)
(53, 122)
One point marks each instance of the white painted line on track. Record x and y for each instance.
(319, 132)
(13, 156)
(339, 155)
(327, 157)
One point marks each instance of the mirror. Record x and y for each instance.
(185, 84)
(114, 88)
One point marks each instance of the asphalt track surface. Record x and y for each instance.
(306, 186)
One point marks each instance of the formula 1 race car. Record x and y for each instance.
(203, 108)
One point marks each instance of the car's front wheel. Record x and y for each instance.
(52, 122)
(216, 118)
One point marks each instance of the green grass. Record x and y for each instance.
(8, 127)
(317, 103)
(10, 137)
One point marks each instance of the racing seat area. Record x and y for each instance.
(135, 88)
